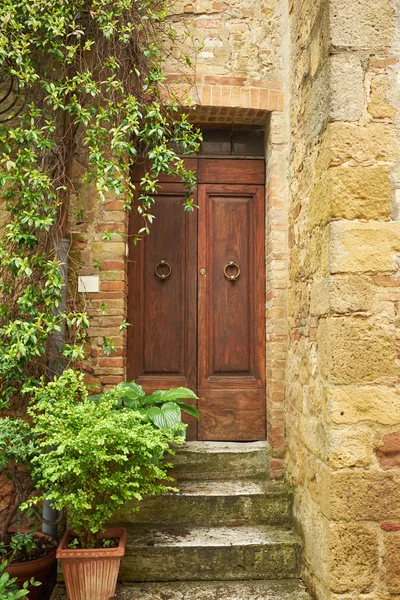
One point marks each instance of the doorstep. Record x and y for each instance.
(292, 589)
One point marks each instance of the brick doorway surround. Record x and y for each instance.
(216, 100)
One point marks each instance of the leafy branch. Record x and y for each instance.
(89, 81)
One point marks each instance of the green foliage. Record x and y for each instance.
(92, 458)
(87, 78)
(8, 587)
(162, 408)
(17, 448)
(23, 541)
(16, 442)
(19, 542)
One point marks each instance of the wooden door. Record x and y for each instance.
(198, 317)
(231, 327)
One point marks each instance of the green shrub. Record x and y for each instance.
(92, 458)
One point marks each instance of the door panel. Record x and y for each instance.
(232, 170)
(162, 311)
(231, 363)
(233, 415)
(230, 229)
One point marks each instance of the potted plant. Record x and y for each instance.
(26, 555)
(95, 455)
(9, 588)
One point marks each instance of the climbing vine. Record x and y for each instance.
(75, 76)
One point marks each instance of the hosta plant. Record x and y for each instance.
(163, 408)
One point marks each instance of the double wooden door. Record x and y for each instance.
(197, 299)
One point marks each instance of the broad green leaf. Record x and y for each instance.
(189, 409)
(167, 416)
(132, 390)
(173, 394)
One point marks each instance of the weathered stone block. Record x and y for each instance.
(352, 350)
(344, 142)
(315, 530)
(364, 247)
(378, 106)
(314, 258)
(360, 193)
(236, 590)
(354, 557)
(392, 561)
(347, 87)
(215, 503)
(320, 296)
(361, 24)
(388, 452)
(109, 247)
(361, 495)
(354, 404)
(350, 447)
(351, 293)
(228, 460)
(317, 108)
(351, 193)
(209, 554)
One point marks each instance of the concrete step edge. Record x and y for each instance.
(222, 487)
(140, 535)
(214, 504)
(288, 589)
(222, 460)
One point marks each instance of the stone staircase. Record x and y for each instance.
(226, 536)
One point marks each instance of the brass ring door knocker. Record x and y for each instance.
(232, 265)
(162, 264)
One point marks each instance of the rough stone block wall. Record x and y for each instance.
(342, 382)
(236, 38)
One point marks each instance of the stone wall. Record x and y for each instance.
(342, 384)
(239, 38)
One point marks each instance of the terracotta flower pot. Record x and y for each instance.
(91, 574)
(39, 569)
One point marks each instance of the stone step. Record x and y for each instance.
(222, 460)
(213, 503)
(207, 553)
(207, 590)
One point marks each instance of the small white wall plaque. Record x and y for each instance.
(88, 283)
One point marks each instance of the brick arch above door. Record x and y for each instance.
(227, 99)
